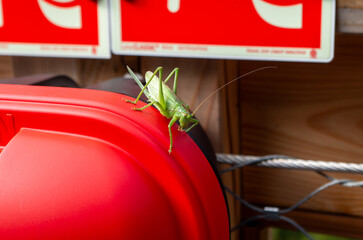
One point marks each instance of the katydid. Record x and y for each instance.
(167, 101)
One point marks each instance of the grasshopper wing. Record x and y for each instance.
(171, 100)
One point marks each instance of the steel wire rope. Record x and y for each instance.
(280, 161)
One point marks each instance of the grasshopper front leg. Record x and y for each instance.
(196, 121)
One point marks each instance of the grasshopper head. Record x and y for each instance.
(184, 120)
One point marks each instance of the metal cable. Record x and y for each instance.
(278, 161)
(312, 194)
(251, 161)
(269, 213)
(297, 226)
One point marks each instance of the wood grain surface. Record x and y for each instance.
(329, 224)
(350, 3)
(92, 71)
(308, 111)
(25, 66)
(350, 16)
(6, 67)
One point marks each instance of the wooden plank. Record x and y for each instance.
(84, 71)
(230, 113)
(314, 222)
(93, 71)
(283, 188)
(309, 111)
(339, 225)
(350, 20)
(6, 67)
(350, 16)
(230, 134)
(25, 66)
(350, 3)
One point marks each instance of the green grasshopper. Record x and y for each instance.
(167, 101)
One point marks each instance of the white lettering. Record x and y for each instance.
(1, 14)
(280, 16)
(65, 17)
(173, 5)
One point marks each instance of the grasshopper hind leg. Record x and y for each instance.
(143, 87)
(175, 72)
(142, 108)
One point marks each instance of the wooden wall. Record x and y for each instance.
(308, 111)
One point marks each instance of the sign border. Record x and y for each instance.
(33, 49)
(323, 55)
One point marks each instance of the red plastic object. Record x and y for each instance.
(81, 164)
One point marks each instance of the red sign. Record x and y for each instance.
(224, 22)
(271, 24)
(47, 23)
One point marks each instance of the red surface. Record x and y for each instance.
(81, 164)
(228, 22)
(24, 22)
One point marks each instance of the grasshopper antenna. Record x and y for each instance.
(256, 70)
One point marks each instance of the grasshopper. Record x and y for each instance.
(167, 101)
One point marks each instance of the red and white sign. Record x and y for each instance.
(66, 28)
(298, 30)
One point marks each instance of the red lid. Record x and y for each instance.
(81, 164)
